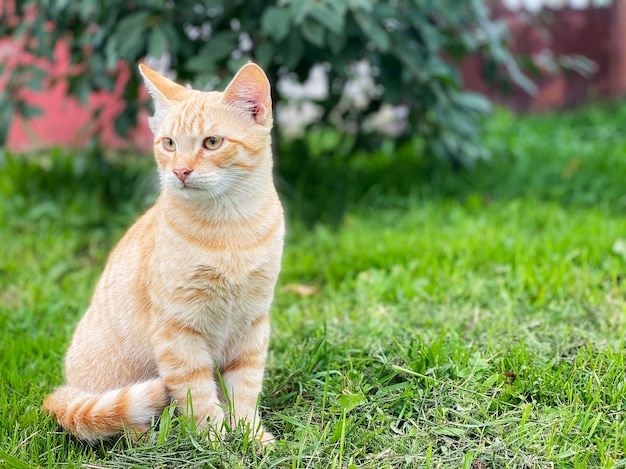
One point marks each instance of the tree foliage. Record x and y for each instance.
(411, 48)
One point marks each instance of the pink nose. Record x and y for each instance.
(182, 173)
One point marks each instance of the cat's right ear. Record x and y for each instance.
(163, 91)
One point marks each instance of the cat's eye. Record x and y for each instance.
(212, 143)
(169, 144)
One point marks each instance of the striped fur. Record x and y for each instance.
(187, 291)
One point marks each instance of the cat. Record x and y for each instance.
(183, 305)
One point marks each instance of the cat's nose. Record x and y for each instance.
(182, 173)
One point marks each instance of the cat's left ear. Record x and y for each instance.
(250, 90)
(163, 91)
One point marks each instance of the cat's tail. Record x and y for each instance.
(90, 416)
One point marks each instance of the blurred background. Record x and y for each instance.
(567, 51)
(353, 80)
(452, 291)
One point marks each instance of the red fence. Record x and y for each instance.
(598, 33)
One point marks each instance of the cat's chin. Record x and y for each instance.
(193, 192)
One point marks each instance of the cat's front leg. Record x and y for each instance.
(243, 377)
(187, 369)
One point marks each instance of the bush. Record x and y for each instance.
(404, 52)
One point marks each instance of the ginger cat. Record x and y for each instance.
(187, 291)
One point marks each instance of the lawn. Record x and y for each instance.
(424, 318)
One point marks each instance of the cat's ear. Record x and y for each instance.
(250, 91)
(163, 91)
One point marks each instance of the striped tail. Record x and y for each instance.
(91, 417)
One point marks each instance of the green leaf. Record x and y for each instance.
(473, 101)
(132, 47)
(59, 6)
(373, 30)
(264, 54)
(79, 87)
(491, 380)
(218, 48)
(518, 77)
(125, 121)
(341, 428)
(365, 5)
(88, 9)
(199, 64)
(331, 20)
(291, 50)
(313, 32)
(132, 23)
(221, 44)
(348, 401)
(299, 10)
(157, 42)
(100, 78)
(336, 42)
(129, 34)
(276, 23)
(36, 78)
(173, 37)
(27, 111)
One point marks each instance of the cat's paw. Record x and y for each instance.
(265, 437)
(213, 427)
(266, 440)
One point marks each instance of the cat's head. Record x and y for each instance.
(208, 144)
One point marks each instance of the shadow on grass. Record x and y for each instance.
(577, 159)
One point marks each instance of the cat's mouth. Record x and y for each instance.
(187, 185)
(196, 186)
(188, 189)
(183, 187)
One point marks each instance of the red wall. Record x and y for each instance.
(598, 33)
(65, 121)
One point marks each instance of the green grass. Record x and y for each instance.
(460, 320)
